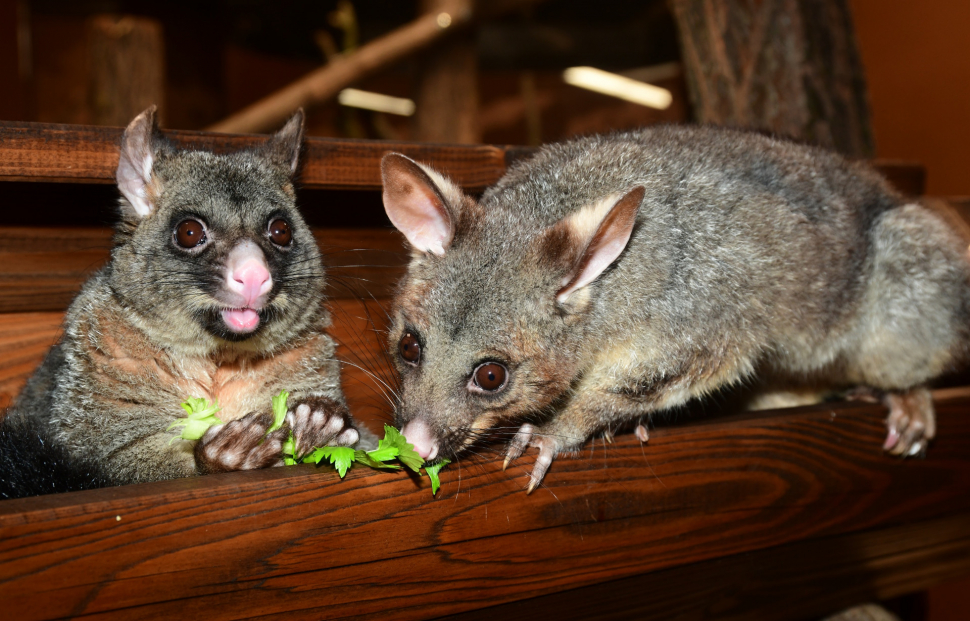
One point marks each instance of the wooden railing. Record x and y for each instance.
(774, 515)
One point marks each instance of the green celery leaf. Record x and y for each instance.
(279, 411)
(365, 458)
(406, 453)
(432, 472)
(313, 457)
(340, 456)
(199, 408)
(386, 453)
(201, 416)
(289, 448)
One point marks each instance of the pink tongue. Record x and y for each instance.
(241, 319)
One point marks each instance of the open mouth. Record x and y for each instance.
(241, 320)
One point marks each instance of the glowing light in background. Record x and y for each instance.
(618, 86)
(367, 100)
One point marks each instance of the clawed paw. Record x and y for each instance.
(317, 422)
(911, 423)
(548, 449)
(240, 444)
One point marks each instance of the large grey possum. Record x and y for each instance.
(610, 277)
(214, 289)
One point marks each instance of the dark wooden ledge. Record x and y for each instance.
(89, 154)
(776, 515)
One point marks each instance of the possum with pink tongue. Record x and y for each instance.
(215, 289)
(609, 278)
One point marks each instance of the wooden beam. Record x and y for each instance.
(87, 154)
(300, 540)
(804, 580)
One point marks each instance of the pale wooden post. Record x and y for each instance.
(127, 67)
(447, 87)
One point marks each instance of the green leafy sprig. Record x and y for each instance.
(201, 416)
(392, 453)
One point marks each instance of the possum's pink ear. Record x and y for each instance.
(420, 202)
(600, 231)
(284, 147)
(135, 164)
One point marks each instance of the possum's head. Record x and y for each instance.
(211, 251)
(491, 314)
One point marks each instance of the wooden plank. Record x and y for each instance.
(297, 540)
(88, 154)
(804, 580)
(24, 340)
(358, 327)
(42, 269)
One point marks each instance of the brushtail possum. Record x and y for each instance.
(214, 289)
(611, 277)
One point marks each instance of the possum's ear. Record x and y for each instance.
(284, 147)
(135, 164)
(420, 203)
(596, 235)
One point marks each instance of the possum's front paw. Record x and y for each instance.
(241, 444)
(911, 423)
(549, 444)
(319, 422)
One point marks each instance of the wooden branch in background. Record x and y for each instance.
(324, 83)
(697, 500)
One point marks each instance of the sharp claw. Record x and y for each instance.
(543, 461)
(642, 434)
(518, 444)
(892, 438)
(916, 450)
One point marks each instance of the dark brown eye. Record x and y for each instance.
(190, 233)
(410, 348)
(279, 232)
(490, 376)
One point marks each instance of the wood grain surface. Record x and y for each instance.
(804, 580)
(24, 340)
(299, 541)
(43, 268)
(89, 154)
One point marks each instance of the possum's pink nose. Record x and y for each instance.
(419, 434)
(248, 275)
(251, 280)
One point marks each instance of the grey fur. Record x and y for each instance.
(145, 332)
(748, 254)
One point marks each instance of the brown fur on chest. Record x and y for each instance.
(125, 361)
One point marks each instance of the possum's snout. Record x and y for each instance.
(420, 435)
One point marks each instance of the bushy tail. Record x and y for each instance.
(32, 465)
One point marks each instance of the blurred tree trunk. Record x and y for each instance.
(790, 67)
(446, 106)
(127, 70)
